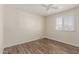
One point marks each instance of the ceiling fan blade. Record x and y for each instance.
(55, 7)
(44, 5)
(50, 5)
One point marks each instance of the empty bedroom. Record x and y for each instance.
(39, 28)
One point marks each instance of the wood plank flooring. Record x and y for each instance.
(42, 46)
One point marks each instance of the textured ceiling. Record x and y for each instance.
(38, 9)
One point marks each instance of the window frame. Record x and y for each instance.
(63, 25)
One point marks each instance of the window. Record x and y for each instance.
(65, 23)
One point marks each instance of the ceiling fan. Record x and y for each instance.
(49, 6)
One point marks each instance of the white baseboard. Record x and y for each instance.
(63, 41)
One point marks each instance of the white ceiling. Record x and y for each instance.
(38, 9)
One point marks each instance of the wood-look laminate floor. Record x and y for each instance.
(42, 46)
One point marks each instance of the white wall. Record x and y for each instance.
(21, 26)
(1, 28)
(62, 36)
